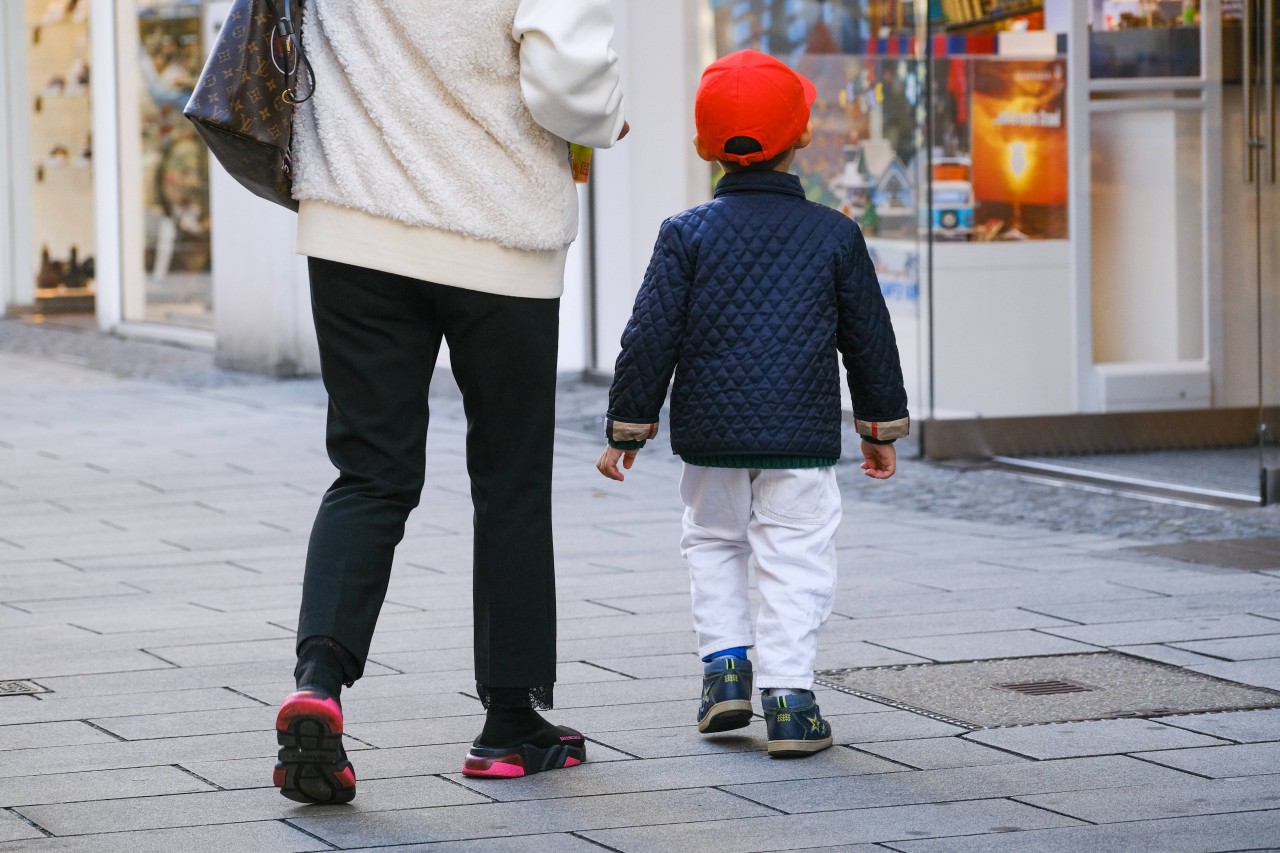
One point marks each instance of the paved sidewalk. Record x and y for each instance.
(151, 544)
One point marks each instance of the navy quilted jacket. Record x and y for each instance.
(749, 299)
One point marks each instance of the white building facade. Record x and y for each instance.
(1072, 205)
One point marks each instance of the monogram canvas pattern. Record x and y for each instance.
(240, 106)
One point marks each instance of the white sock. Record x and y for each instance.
(782, 691)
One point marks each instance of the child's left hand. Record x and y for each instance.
(607, 464)
(879, 460)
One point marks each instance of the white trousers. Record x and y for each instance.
(783, 523)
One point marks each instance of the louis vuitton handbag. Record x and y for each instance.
(243, 104)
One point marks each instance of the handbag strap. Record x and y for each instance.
(287, 31)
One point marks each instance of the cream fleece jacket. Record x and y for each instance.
(436, 143)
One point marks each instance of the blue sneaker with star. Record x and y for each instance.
(795, 726)
(726, 695)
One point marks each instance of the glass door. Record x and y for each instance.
(165, 167)
(868, 157)
(1000, 302)
(1249, 40)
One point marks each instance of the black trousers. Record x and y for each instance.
(379, 337)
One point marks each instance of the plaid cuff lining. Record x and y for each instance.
(883, 430)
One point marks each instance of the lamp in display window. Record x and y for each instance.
(1019, 166)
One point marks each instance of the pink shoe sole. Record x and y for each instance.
(523, 760)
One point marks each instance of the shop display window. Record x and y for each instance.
(1144, 38)
(995, 165)
(61, 145)
(1000, 149)
(988, 16)
(175, 166)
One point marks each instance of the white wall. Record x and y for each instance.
(16, 271)
(1146, 204)
(1003, 334)
(262, 305)
(653, 173)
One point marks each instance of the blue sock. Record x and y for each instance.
(739, 652)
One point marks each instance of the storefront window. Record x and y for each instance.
(175, 169)
(61, 145)
(1144, 38)
(998, 151)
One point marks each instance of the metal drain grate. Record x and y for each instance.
(1050, 689)
(1045, 688)
(20, 688)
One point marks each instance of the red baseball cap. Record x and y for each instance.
(751, 94)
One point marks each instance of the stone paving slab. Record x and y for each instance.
(254, 837)
(782, 832)
(1115, 775)
(1098, 612)
(214, 807)
(448, 823)
(1242, 726)
(1230, 832)
(1189, 797)
(1166, 630)
(1238, 648)
(54, 708)
(14, 828)
(1165, 654)
(940, 752)
(1260, 673)
(112, 756)
(1099, 737)
(98, 786)
(36, 735)
(559, 842)
(1222, 762)
(986, 644)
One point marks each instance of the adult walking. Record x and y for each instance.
(437, 204)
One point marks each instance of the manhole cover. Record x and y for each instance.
(1044, 688)
(991, 694)
(20, 688)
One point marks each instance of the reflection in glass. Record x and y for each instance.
(175, 167)
(1144, 38)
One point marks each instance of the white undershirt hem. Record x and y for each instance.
(361, 239)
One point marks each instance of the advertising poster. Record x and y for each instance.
(1019, 148)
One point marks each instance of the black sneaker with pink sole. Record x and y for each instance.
(313, 766)
(558, 747)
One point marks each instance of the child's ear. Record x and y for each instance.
(703, 151)
(806, 137)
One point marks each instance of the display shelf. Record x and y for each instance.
(64, 300)
(968, 17)
(60, 77)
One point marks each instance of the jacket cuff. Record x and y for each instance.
(621, 433)
(882, 432)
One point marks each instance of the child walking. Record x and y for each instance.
(751, 300)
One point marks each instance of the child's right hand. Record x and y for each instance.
(607, 464)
